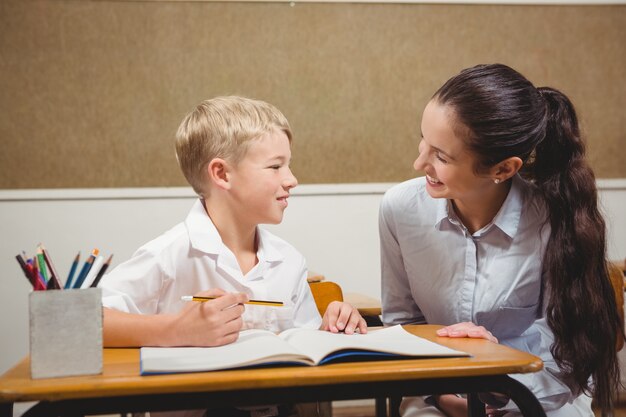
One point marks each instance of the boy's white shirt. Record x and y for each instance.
(191, 257)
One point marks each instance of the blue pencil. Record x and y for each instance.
(86, 268)
(68, 283)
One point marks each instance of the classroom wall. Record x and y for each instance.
(334, 226)
(93, 91)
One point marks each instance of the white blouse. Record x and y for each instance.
(435, 271)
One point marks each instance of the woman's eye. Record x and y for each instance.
(441, 159)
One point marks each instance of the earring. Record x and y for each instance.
(497, 181)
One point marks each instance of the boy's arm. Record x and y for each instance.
(342, 317)
(212, 323)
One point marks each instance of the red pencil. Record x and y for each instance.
(25, 270)
(38, 284)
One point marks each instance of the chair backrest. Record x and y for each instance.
(324, 292)
(617, 281)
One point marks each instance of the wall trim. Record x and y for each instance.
(460, 2)
(147, 193)
(611, 184)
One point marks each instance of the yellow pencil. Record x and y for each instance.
(255, 302)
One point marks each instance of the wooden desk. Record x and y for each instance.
(121, 388)
(367, 306)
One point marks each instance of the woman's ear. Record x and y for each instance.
(504, 170)
(218, 172)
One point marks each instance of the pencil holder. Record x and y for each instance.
(65, 332)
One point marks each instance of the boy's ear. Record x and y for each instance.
(507, 168)
(218, 171)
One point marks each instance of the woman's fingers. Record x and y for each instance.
(467, 329)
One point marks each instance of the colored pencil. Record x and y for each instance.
(86, 267)
(70, 276)
(28, 273)
(41, 263)
(93, 271)
(39, 282)
(53, 282)
(22, 263)
(101, 272)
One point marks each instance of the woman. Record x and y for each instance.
(503, 240)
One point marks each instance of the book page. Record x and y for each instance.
(253, 347)
(319, 344)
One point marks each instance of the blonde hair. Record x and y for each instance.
(222, 127)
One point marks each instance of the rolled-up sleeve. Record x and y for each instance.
(135, 285)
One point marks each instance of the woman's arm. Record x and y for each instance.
(398, 304)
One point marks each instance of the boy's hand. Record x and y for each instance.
(340, 316)
(467, 329)
(211, 323)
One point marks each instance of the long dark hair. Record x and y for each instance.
(507, 116)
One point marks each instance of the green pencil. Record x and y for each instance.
(41, 261)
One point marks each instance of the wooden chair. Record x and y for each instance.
(617, 281)
(616, 274)
(325, 292)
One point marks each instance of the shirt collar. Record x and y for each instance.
(266, 250)
(442, 211)
(507, 218)
(204, 236)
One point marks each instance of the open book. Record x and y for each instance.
(293, 346)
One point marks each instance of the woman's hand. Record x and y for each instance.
(467, 329)
(340, 316)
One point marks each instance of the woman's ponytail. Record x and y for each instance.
(581, 309)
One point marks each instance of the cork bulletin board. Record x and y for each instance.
(92, 92)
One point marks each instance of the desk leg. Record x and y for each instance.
(522, 397)
(475, 407)
(394, 406)
(381, 407)
(6, 410)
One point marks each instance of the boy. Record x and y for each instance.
(235, 153)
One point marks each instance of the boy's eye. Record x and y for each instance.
(438, 155)
(274, 167)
